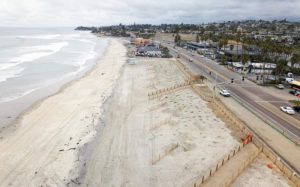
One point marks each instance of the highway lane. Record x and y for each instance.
(245, 91)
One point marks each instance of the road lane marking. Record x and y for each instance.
(285, 113)
(286, 120)
(201, 64)
(262, 114)
(228, 79)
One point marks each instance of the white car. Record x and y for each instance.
(201, 56)
(287, 79)
(225, 93)
(287, 110)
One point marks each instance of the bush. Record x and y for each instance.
(165, 52)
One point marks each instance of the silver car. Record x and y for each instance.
(225, 93)
(287, 110)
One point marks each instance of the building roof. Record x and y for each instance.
(297, 83)
(148, 48)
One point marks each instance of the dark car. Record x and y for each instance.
(294, 92)
(296, 108)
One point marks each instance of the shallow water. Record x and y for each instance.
(40, 61)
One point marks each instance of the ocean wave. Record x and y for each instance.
(10, 73)
(36, 52)
(45, 37)
(10, 70)
(16, 96)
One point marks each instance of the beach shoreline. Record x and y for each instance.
(86, 122)
(32, 100)
(44, 76)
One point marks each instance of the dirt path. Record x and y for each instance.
(124, 144)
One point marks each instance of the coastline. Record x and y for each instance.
(33, 99)
(34, 83)
(85, 139)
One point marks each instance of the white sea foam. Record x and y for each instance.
(35, 52)
(79, 54)
(45, 37)
(16, 96)
(10, 70)
(10, 73)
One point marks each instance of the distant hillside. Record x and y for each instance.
(81, 28)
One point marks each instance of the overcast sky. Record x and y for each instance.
(45, 13)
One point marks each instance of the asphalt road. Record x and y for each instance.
(263, 103)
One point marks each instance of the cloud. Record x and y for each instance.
(43, 13)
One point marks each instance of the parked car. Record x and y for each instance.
(287, 79)
(294, 92)
(296, 108)
(270, 78)
(225, 93)
(279, 86)
(287, 110)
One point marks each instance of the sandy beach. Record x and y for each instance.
(127, 150)
(104, 130)
(48, 145)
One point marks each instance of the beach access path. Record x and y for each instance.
(49, 145)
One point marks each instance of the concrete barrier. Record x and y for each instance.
(282, 165)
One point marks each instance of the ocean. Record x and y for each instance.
(35, 63)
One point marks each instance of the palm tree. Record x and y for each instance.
(238, 38)
(197, 38)
(295, 59)
(220, 43)
(225, 42)
(281, 67)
